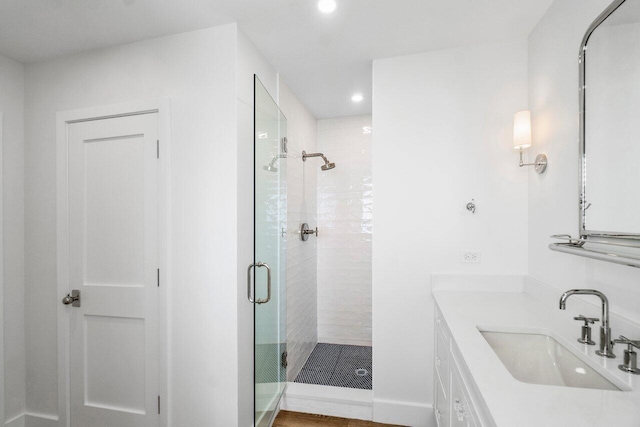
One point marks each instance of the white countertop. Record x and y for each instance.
(515, 404)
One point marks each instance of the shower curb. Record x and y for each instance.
(328, 400)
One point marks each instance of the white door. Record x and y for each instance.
(113, 262)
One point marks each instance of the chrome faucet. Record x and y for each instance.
(606, 344)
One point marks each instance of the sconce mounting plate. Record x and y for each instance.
(541, 163)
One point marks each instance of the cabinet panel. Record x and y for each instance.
(462, 414)
(442, 360)
(453, 402)
(442, 408)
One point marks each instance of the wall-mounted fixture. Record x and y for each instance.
(305, 232)
(327, 6)
(357, 97)
(471, 206)
(522, 140)
(271, 166)
(327, 164)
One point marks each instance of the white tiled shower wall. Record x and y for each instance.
(302, 327)
(345, 197)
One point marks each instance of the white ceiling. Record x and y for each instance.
(323, 58)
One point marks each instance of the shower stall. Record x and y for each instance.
(341, 355)
(310, 281)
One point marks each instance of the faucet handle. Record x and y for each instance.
(630, 364)
(625, 340)
(585, 336)
(586, 320)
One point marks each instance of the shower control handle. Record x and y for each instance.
(305, 231)
(311, 231)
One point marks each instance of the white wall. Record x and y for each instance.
(12, 267)
(345, 219)
(197, 71)
(302, 257)
(442, 135)
(553, 197)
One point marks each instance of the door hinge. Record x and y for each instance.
(158, 405)
(284, 359)
(157, 148)
(158, 277)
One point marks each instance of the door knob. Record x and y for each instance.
(73, 298)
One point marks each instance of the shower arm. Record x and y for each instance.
(276, 157)
(305, 155)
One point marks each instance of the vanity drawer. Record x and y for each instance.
(442, 360)
(440, 323)
(441, 406)
(462, 412)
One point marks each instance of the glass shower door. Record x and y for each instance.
(269, 269)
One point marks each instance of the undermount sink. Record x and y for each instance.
(540, 359)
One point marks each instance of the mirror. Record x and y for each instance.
(610, 123)
(609, 139)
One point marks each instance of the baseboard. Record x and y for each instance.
(403, 413)
(326, 400)
(30, 419)
(15, 421)
(40, 420)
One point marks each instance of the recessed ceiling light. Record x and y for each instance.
(357, 97)
(327, 6)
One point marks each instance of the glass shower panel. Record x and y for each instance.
(270, 189)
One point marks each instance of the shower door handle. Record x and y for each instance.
(249, 282)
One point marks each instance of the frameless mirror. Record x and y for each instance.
(610, 123)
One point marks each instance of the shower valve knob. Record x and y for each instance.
(471, 206)
(305, 231)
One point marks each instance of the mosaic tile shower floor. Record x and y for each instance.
(339, 366)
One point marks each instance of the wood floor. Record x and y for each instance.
(297, 419)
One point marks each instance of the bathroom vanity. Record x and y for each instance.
(506, 359)
(457, 400)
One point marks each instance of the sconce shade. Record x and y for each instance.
(522, 130)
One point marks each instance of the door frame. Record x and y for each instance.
(63, 120)
(2, 375)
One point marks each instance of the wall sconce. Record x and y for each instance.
(522, 140)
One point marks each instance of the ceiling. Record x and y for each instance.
(324, 59)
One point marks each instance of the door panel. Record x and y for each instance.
(270, 249)
(107, 339)
(115, 249)
(113, 262)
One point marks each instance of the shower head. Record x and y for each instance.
(327, 164)
(271, 166)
